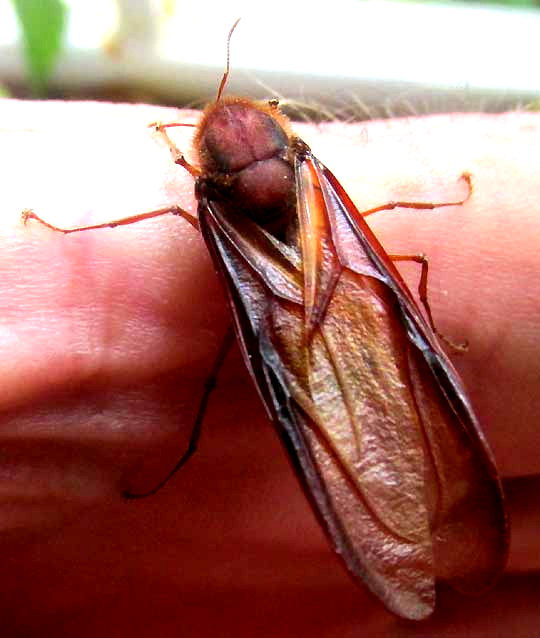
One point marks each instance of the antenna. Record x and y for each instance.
(226, 74)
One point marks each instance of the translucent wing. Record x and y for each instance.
(372, 412)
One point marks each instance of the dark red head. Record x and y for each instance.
(243, 150)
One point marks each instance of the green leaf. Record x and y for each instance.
(42, 28)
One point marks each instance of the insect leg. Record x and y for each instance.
(176, 153)
(423, 294)
(28, 213)
(421, 259)
(209, 385)
(466, 177)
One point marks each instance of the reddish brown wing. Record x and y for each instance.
(371, 410)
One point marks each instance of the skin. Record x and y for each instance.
(107, 338)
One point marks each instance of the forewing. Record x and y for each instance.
(336, 359)
(469, 525)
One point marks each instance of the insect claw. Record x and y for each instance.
(467, 178)
(457, 348)
(27, 214)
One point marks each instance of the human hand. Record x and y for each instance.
(109, 335)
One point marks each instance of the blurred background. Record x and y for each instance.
(348, 59)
